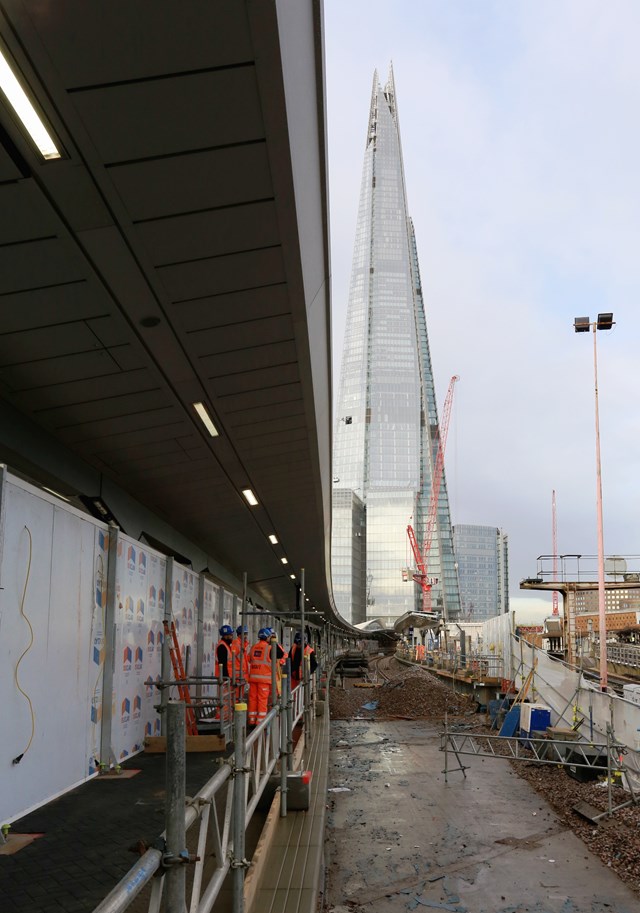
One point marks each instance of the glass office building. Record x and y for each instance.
(482, 553)
(387, 431)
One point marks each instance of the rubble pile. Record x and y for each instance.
(411, 693)
(616, 840)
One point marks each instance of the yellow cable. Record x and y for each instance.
(17, 759)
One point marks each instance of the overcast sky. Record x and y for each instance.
(520, 130)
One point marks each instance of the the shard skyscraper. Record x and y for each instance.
(386, 434)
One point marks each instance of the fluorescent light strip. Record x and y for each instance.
(19, 101)
(273, 539)
(205, 418)
(56, 493)
(249, 495)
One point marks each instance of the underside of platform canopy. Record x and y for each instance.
(177, 253)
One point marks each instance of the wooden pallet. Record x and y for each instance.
(157, 744)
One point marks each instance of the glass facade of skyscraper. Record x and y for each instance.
(483, 570)
(387, 432)
(348, 555)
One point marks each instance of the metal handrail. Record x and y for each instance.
(625, 654)
(215, 796)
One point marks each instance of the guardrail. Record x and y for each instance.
(221, 810)
(624, 654)
(470, 665)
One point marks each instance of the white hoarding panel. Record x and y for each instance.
(209, 631)
(227, 610)
(52, 583)
(185, 614)
(140, 598)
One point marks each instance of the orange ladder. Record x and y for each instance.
(179, 676)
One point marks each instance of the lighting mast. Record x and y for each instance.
(554, 546)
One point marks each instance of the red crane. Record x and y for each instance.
(422, 557)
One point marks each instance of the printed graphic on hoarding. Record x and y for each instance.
(125, 710)
(98, 651)
(126, 659)
(128, 609)
(138, 629)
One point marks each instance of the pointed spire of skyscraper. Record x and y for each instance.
(373, 108)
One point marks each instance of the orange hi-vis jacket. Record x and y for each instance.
(295, 655)
(218, 669)
(260, 663)
(240, 662)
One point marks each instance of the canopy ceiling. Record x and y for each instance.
(177, 253)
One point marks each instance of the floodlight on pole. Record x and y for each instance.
(583, 325)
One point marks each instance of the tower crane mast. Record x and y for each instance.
(422, 555)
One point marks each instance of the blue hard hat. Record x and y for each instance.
(226, 629)
(240, 629)
(263, 634)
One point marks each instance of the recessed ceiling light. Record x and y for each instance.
(205, 418)
(273, 539)
(293, 576)
(307, 598)
(285, 560)
(249, 495)
(23, 107)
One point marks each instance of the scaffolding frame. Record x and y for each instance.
(557, 752)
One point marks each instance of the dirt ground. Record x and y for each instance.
(412, 693)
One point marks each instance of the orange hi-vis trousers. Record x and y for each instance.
(259, 693)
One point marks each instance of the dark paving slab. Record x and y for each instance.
(87, 832)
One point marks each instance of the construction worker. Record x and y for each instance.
(223, 652)
(295, 655)
(224, 658)
(239, 647)
(259, 678)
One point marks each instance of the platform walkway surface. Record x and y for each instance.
(400, 838)
(86, 836)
